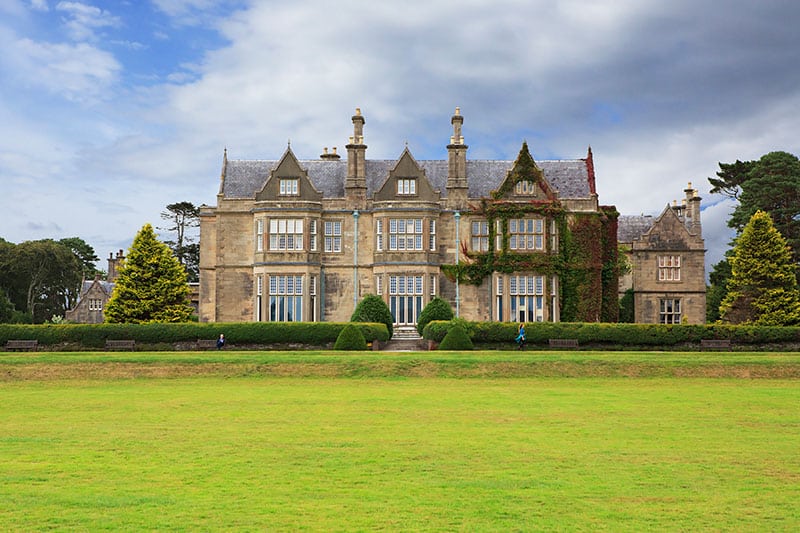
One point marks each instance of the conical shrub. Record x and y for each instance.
(350, 338)
(456, 339)
(437, 309)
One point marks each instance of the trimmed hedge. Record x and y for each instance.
(94, 336)
(621, 336)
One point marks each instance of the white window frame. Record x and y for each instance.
(285, 298)
(312, 235)
(406, 186)
(379, 234)
(285, 234)
(669, 268)
(479, 235)
(669, 311)
(405, 234)
(288, 186)
(526, 234)
(259, 235)
(432, 235)
(333, 236)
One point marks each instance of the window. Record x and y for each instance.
(259, 235)
(405, 234)
(285, 234)
(527, 298)
(499, 298)
(669, 311)
(526, 234)
(432, 235)
(432, 283)
(553, 236)
(480, 236)
(379, 234)
(288, 186)
(525, 187)
(285, 298)
(312, 291)
(379, 284)
(407, 186)
(405, 298)
(669, 268)
(333, 236)
(95, 304)
(259, 297)
(312, 230)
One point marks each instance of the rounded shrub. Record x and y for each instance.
(456, 339)
(350, 338)
(437, 309)
(372, 308)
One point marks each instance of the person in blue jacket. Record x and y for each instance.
(520, 337)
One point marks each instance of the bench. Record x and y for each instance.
(120, 344)
(715, 344)
(16, 344)
(206, 344)
(563, 343)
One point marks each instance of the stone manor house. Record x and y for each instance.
(521, 240)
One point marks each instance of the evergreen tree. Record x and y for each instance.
(151, 286)
(762, 288)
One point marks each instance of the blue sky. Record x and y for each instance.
(112, 110)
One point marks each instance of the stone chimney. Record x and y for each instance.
(355, 184)
(114, 264)
(457, 187)
(692, 217)
(329, 155)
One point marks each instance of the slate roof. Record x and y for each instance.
(244, 178)
(632, 227)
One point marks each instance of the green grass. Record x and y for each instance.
(331, 442)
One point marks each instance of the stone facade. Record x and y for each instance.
(667, 255)
(293, 239)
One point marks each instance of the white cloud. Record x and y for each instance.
(83, 20)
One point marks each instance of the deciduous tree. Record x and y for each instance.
(763, 286)
(151, 286)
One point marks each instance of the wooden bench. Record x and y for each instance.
(17, 344)
(206, 344)
(715, 344)
(120, 344)
(563, 343)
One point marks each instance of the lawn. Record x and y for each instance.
(320, 442)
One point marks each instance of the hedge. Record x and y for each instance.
(620, 336)
(94, 336)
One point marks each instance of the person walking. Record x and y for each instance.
(520, 337)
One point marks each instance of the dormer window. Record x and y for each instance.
(525, 188)
(288, 186)
(407, 186)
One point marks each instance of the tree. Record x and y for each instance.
(41, 278)
(372, 308)
(718, 288)
(85, 254)
(762, 289)
(771, 184)
(182, 217)
(151, 286)
(350, 338)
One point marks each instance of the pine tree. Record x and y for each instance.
(763, 288)
(151, 286)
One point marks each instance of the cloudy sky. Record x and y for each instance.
(112, 110)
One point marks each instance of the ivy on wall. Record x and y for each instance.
(585, 262)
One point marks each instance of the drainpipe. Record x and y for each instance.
(355, 259)
(458, 259)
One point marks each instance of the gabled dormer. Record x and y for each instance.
(407, 181)
(289, 182)
(525, 181)
(669, 232)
